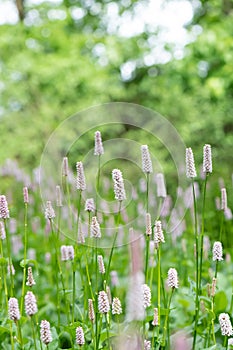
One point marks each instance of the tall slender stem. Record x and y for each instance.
(4, 274)
(165, 327)
(33, 333)
(197, 266)
(202, 233)
(147, 191)
(9, 259)
(76, 257)
(20, 334)
(98, 187)
(58, 271)
(113, 244)
(159, 286)
(107, 330)
(96, 294)
(24, 256)
(147, 257)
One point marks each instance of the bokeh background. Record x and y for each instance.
(59, 57)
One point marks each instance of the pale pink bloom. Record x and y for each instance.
(217, 251)
(146, 292)
(65, 166)
(45, 332)
(80, 340)
(13, 309)
(225, 324)
(30, 304)
(30, 280)
(148, 225)
(91, 312)
(103, 302)
(161, 187)
(80, 181)
(119, 188)
(25, 195)
(90, 205)
(207, 159)
(158, 233)
(99, 150)
(58, 196)
(49, 212)
(172, 280)
(223, 199)
(146, 160)
(190, 164)
(101, 264)
(147, 344)
(2, 231)
(95, 228)
(116, 306)
(4, 211)
(155, 321)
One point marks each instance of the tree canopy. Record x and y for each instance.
(63, 57)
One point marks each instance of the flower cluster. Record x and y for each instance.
(217, 251)
(146, 160)
(45, 332)
(190, 164)
(119, 188)
(13, 309)
(67, 252)
(30, 304)
(116, 306)
(99, 150)
(172, 280)
(103, 302)
(80, 181)
(225, 324)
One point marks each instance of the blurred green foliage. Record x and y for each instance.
(53, 68)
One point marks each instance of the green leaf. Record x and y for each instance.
(4, 330)
(23, 263)
(220, 301)
(3, 261)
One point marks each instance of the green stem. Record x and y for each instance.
(202, 233)
(147, 191)
(165, 328)
(98, 186)
(221, 226)
(38, 331)
(33, 333)
(96, 294)
(4, 274)
(9, 259)
(225, 344)
(24, 256)
(159, 208)
(201, 263)
(12, 337)
(159, 287)
(68, 199)
(98, 335)
(107, 330)
(76, 257)
(197, 269)
(73, 291)
(58, 272)
(113, 244)
(78, 216)
(20, 334)
(147, 257)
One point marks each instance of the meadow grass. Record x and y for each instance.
(80, 274)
